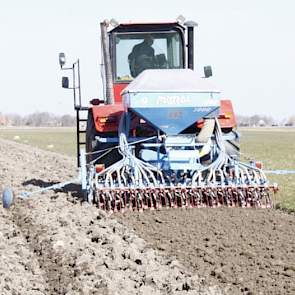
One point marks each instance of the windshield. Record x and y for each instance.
(136, 52)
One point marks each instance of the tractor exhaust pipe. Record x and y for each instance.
(109, 91)
(190, 43)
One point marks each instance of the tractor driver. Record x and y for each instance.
(142, 56)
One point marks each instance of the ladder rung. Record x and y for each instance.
(82, 142)
(82, 108)
(82, 131)
(82, 120)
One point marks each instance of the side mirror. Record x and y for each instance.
(62, 59)
(207, 71)
(65, 82)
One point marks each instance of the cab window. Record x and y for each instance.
(135, 52)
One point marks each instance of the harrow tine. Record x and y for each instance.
(262, 199)
(266, 199)
(150, 200)
(219, 197)
(159, 201)
(231, 197)
(179, 199)
(199, 198)
(169, 197)
(186, 199)
(206, 197)
(251, 197)
(240, 198)
(269, 199)
(130, 200)
(114, 201)
(163, 198)
(145, 200)
(174, 199)
(255, 198)
(216, 197)
(224, 197)
(111, 203)
(191, 199)
(154, 200)
(139, 201)
(98, 200)
(235, 197)
(124, 201)
(103, 197)
(120, 201)
(248, 197)
(213, 198)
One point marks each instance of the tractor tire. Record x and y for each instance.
(92, 145)
(232, 147)
(90, 137)
(206, 131)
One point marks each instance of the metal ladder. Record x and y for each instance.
(76, 87)
(80, 131)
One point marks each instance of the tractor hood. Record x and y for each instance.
(171, 100)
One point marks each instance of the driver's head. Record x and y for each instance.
(149, 40)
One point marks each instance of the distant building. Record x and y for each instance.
(3, 120)
(291, 121)
(261, 123)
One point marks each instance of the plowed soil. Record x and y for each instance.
(53, 243)
(246, 251)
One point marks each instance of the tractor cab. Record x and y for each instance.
(135, 47)
(153, 47)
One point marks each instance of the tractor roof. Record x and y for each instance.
(130, 25)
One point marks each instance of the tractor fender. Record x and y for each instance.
(107, 117)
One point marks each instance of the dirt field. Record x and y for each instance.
(244, 251)
(53, 244)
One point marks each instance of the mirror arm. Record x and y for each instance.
(70, 68)
(64, 69)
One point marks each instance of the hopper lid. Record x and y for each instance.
(170, 80)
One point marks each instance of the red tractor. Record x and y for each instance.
(162, 135)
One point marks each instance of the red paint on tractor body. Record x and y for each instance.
(107, 117)
(227, 118)
(118, 87)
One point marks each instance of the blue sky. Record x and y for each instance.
(250, 45)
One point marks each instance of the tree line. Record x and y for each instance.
(45, 119)
(262, 120)
(37, 119)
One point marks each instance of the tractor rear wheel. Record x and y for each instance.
(232, 146)
(93, 145)
(90, 136)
